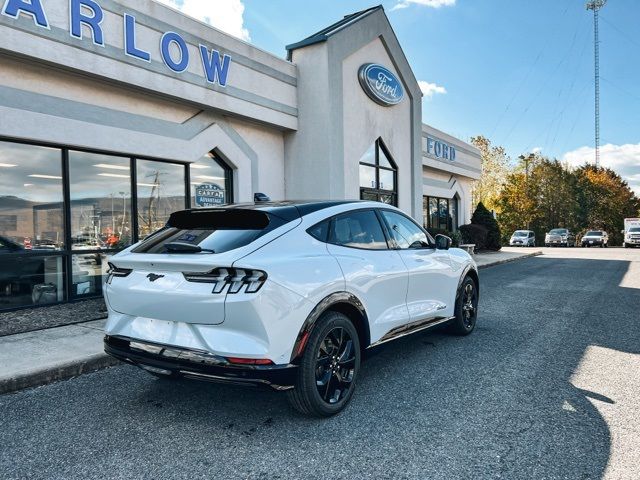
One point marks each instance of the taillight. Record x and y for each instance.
(236, 278)
(114, 271)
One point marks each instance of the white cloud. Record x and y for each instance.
(536, 149)
(623, 159)
(426, 3)
(430, 89)
(225, 15)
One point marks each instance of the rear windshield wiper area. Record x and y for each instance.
(184, 247)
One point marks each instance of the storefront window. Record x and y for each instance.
(378, 175)
(31, 206)
(211, 182)
(29, 279)
(161, 191)
(100, 188)
(87, 271)
(441, 213)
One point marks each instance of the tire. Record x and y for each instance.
(466, 311)
(334, 336)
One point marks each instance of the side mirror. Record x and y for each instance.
(622, 232)
(443, 242)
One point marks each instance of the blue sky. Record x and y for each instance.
(518, 72)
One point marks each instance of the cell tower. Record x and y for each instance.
(596, 5)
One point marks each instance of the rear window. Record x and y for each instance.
(214, 231)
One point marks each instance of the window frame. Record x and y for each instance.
(67, 253)
(377, 191)
(426, 199)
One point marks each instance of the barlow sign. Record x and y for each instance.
(380, 84)
(88, 13)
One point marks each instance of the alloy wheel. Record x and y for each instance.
(469, 302)
(335, 365)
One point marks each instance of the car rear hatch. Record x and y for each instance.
(148, 280)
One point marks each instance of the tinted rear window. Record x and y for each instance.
(214, 231)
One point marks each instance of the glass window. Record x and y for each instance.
(359, 229)
(160, 192)
(27, 280)
(100, 188)
(88, 270)
(378, 175)
(31, 207)
(453, 213)
(211, 182)
(404, 231)
(319, 231)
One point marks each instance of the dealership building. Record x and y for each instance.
(113, 114)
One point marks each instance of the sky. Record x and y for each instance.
(515, 71)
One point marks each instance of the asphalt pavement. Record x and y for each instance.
(546, 387)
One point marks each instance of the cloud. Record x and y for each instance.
(623, 159)
(225, 15)
(536, 150)
(427, 3)
(430, 89)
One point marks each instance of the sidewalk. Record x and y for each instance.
(40, 357)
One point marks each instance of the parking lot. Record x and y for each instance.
(546, 387)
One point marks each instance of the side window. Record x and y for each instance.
(404, 232)
(359, 229)
(319, 231)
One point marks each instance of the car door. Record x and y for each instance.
(373, 272)
(432, 280)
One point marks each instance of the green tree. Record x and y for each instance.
(605, 200)
(484, 218)
(495, 168)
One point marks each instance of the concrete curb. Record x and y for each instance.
(509, 260)
(57, 372)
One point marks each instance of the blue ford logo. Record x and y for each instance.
(380, 84)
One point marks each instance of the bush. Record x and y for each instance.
(484, 218)
(476, 234)
(454, 236)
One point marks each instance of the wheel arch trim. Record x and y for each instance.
(343, 298)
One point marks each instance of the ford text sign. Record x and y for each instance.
(380, 84)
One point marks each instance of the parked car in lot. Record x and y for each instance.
(631, 232)
(283, 294)
(560, 237)
(523, 238)
(595, 238)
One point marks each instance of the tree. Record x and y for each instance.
(484, 218)
(495, 168)
(605, 200)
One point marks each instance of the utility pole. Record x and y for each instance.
(596, 5)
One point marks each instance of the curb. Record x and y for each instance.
(58, 372)
(509, 260)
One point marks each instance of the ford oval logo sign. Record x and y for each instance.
(380, 84)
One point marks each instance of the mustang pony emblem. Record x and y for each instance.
(153, 277)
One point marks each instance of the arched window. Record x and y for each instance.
(378, 175)
(211, 181)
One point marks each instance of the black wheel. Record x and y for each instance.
(328, 368)
(466, 312)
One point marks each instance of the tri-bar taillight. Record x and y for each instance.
(236, 278)
(114, 271)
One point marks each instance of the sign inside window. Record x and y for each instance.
(209, 195)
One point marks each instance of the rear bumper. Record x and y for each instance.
(197, 364)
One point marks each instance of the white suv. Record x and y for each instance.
(284, 294)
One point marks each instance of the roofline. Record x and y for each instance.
(325, 33)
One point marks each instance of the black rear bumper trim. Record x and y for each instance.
(198, 364)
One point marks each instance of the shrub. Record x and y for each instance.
(484, 218)
(454, 236)
(476, 234)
